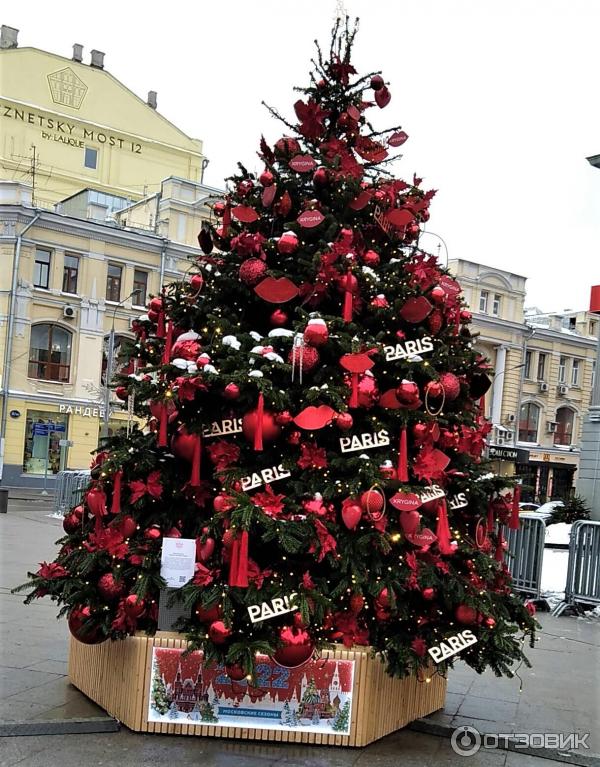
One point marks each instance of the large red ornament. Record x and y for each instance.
(126, 526)
(377, 82)
(435, 321)
(231, 391)
(305, 358)
(197, 281)
(266, 178)
(373, 502)
(297, 648)
(287, 146)
(316, 332)
(252, 271)
(71, 522)
(276, 290)
(279, 318)
(270, 428)
(153, 533)
(451, 385)
(371, 258)
(320, 177)
(428, 593)
(207, 614)
(344, 421)
(218, 632)
(313, 417)
(83, 634)
(351, 513)
(134, 606)
(122, 393)
(410, 521)
(183, 444)
(110, 588)
(466, 615)
(235, 671)
(407, 393)
(287, 243)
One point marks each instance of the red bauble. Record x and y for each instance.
(266, 178)
(409, 521)
(252, 271)
(71, 522)
(153, 533)
(320, 177)
(219, 209)
(279, 318)
(122, 393)
(284, 418)
(109, 587)
(435, 321)
(83, 634)
(434, 389)
(204, 549)
(373, 502)
(357, 602)
(383, 599)
(451, 385)
(465, 615)
(231, 391)
(218, 632)
(294, 438)
(490, 622)
(156, 304)
(316, 332)
(183, 444)
(438, 295)
(465, 316)
(235, 671)
(197, 281)
(126, 526)
(407, 393)
(270, 428)
(351, 515)
(221, 503)
(203, 360)
(371, 258)
(348, 282)
(428, 593)
(207, 614)
(304, 357)
(344, 421)
(134, 606)
(287, 243)
(78, 511)
(377, 82)
(420, 431)
(188, 349)
(287, 146)
(244, 187)
(297, 648)
(387, 470)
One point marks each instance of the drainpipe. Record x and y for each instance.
(8, 345)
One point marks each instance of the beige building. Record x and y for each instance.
(111, 203)
(542, 379)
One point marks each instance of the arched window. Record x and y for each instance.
(50, 353)
(529, 419)
(565, 418)
(120, 363)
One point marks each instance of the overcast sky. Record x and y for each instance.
(499, 98)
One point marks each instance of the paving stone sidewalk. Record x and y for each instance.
(561, 693)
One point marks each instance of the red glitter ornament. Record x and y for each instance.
(83, 633)
(320, 177)
(451, 385)
(407, 393)
(287, 243)
(218, 632)
(207, 614)
(344, 421)
(371, 258)
(316, 332)
(231, 391)
(438, 295)
(297, 648)
(266, 178)
(134, 606)
(465, 615)
(71, 522)
(110, 588)
(252, 271)
(197, 281)
(305, 358)
(373, 502)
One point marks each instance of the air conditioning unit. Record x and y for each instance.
(562, 389)
(543, 386)
(551, 426)
(69, 312)
(511, 418)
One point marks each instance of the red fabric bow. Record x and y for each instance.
(152, 486)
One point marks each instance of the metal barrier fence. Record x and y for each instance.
(69, 489)
(525, 554)
(583, 571)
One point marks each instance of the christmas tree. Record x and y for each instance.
(312, 408)
(160, 699)
(340, 723)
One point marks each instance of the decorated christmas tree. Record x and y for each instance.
(160, 699)
(311, 412)
(340, 722)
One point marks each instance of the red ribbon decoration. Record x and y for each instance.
(347, 312)
(162, 425)
(226, 220)
(513, 523)
(115, 507)
(166, 358)
(443, 529)
(499, 555)
(490, 518)
(238, 565)
(353, 402)
(403, 457)
(258, 432)
(160, 327)
(96, 503)
(195, 476)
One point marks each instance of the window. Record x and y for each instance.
(575, 371)
(70, 273)
(181, 227)
(562, 370)
(541, 370)
(483, 301)
(113, 283)
(140, 282)
(572, 323)
(496, 304)
(49, 353)
(43, 432)
(41, 268)
(564, 428)
(528, 361)
(593, 327)
(529, 419)
(90, 159)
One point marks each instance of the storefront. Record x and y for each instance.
(505, 459)
(548, 475)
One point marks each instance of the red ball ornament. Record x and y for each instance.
(109, 587)
(316, 332)
(371, 258)
(351, 514)
(134, 606)
(204, 549)
(278, 318)
(387, 470)
(266, 178)
(221, 503)
(377, 82)
(410, 519)
(207, 614)
(270, 428)
(383, 598)
(305, 358)
(379, 302)
(122, 393)
(297, 648)
(373, 502)
(153, 533)
(451, 385)
(434, 389)
(428, 593)
(465, 615)
(71, 523)
(245, 187)
(344, 421)
(219, 209)
(78, 511)
(235, 672)
(156, 304)
(347, 282)
(197, 281)
(465, 316)
(294, 438)
(84, 633)
(435, 321)
(126, 526)
(407, 393)
(152, 315)
(287, 146)
(183, 444)
(252, 271)
(420, 431)
(284, 418)
(287, 243)
(320, 177)
(438, 295)
(490, 622)
(357, 602)
(218, 632)
(231, 391)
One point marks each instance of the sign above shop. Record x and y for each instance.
(550, 457)
(517, 454)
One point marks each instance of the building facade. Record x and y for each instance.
(543, 368)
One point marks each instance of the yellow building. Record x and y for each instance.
(112, 204)
(542, 379)
(67, 126)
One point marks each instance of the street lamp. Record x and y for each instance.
(109, 362)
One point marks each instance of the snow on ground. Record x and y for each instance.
(558, 534)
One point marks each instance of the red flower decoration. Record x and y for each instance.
(223, 454)
(110, 540)
(311, 117)
(269, 502)
(349, 630)
(419, 646)
(341, 70)
(429, 465)
(51, 571)
(307, 581)
(312, 456)
(203, 576)
(327, 542)
(187, 387)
